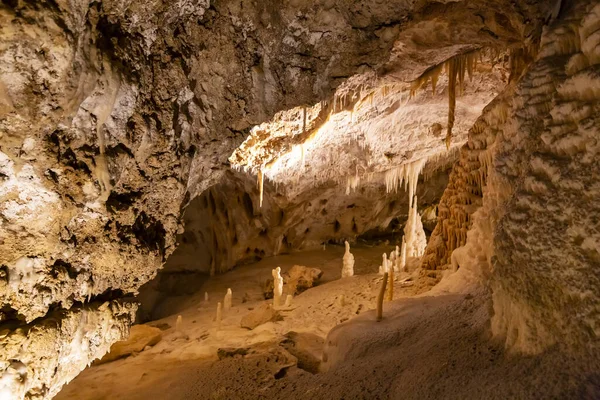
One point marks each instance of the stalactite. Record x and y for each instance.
(453, 67)
(260, 186)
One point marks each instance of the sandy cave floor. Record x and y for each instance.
(427, 347)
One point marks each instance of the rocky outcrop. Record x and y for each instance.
(39, 358)
(260, 315)
(534, 237)
(140, 337)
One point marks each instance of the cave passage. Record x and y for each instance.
(325, 199)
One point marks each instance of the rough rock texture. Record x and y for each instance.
(115, 115)
(536, 236)
(296, 280)
(261, 315)
(140, 336)
(37, 359)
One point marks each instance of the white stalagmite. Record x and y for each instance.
(219, 314)
(227, 300)
(384, 265)
(178, 323)
(206, 297)
(396, 262)
(277, 286)
(392, 261)
(348, 262)
(414, 234)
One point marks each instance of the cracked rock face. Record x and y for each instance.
(115, 116)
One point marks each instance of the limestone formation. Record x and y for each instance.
(296, 280)
(242, 130)
(416, 240)
(347, 262)
(277, 287)
(219, 316)
(379, 312)
(397, 259)
(227, 300)
(140, 337)
(260, 315)
(300, 278)
(384, 267)
(402, 263)
(390, 289)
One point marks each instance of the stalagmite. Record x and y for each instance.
(227, 300)
(390, 291)
(288, 300)
(178, 323)
(416, 240)
(342, 300)
(402, 263)
(396, 259)
(277, 286)
(347, 262)
(219, 314)
(383, 268)
(206, 297)
(380, 297)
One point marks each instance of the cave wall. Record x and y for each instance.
(535, 238)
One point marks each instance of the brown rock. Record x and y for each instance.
(296, 280)
(299, 278)
(260, 315)
(140, 336)
(307, 348)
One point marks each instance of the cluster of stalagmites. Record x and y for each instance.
(463, 195)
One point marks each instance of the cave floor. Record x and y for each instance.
(427, 347)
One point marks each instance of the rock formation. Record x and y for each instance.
(414, 234)
(227, 300)
(277, 287)
(244, 130)
(347, 262)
